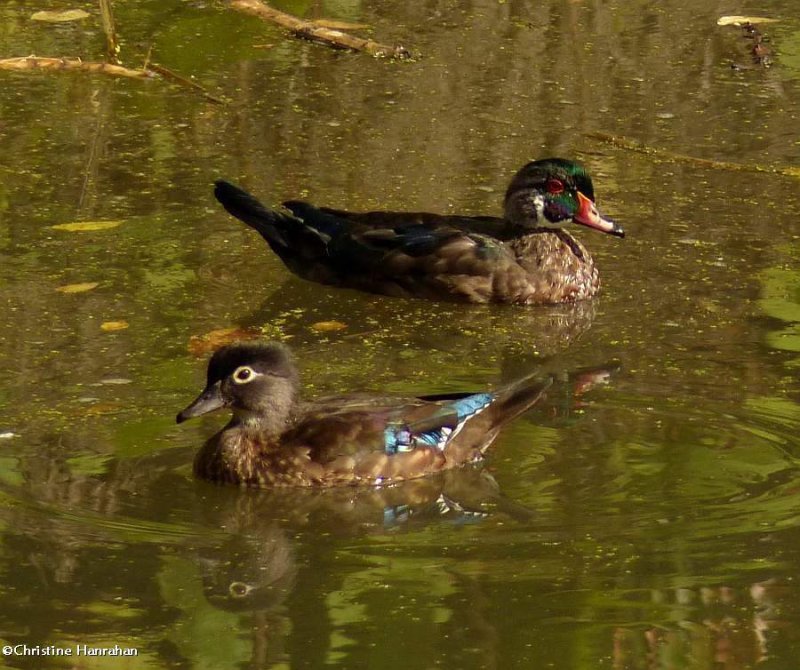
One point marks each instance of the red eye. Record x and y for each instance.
(555, 186)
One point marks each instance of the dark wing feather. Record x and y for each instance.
(346, 426)
(362, 438)
(395, 253)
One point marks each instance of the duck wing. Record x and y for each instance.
(358, 438)
(417, 254)
(412, 254)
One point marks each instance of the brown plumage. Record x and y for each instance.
(274, 439)
(526, 257)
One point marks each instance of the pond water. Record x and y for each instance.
(648, 522)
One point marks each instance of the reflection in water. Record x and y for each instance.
(257, 567)
(780, 300)
(386, 340)
(433, 567)
(70, 547)
(653, 523)
(715, 626)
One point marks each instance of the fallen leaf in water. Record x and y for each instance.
(99, 409)
(110, 326)
(739, 20)
(199, 345)
(86, 226)
(52, 16)
(327, 326)
(78, 288)
(333, 24)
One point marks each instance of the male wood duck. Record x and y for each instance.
(274, 439)
(525, 257)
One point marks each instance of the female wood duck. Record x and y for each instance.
(275, 440)
(526, 257)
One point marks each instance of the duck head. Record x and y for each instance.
(551, 192)
(257, 381)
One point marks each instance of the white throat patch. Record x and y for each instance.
(541, 219)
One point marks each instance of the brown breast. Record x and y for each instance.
(557, 268)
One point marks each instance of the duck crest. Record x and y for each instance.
(460, 258)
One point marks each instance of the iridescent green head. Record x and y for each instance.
(551, 192)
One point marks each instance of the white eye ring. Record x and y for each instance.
(239, 589)
(244, 374)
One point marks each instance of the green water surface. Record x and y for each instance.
(650, 522)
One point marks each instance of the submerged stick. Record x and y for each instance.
(51, 64)
(317, 33)
(183, 81)
(112, 45)
(639, 147)
(149, 71)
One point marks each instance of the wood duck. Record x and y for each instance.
(525, 257)
(274, 439)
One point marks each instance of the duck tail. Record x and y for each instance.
(277, 228)
(480, 414)
(517, 397)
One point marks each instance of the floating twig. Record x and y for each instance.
(149, 71)
(147, 57)
(50, 64)
(639, 147)
(317, 33)
(183, 81)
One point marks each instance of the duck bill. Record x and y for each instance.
(587, 215)
(209, 400)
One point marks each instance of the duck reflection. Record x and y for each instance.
(253, 571)
(460, 331)
(289, 551)
(199, 575)
(147, 555)
(282, 562)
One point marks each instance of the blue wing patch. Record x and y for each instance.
(397, 439)
(438, 430)
(471, 405)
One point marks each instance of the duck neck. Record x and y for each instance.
(268, 420)
(517, 230)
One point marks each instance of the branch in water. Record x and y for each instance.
(671, 156)
(312, 31)
(44, 63)
(149, 71)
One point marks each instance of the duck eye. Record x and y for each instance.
(239, 589)
(244, 374)
(555, 186)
